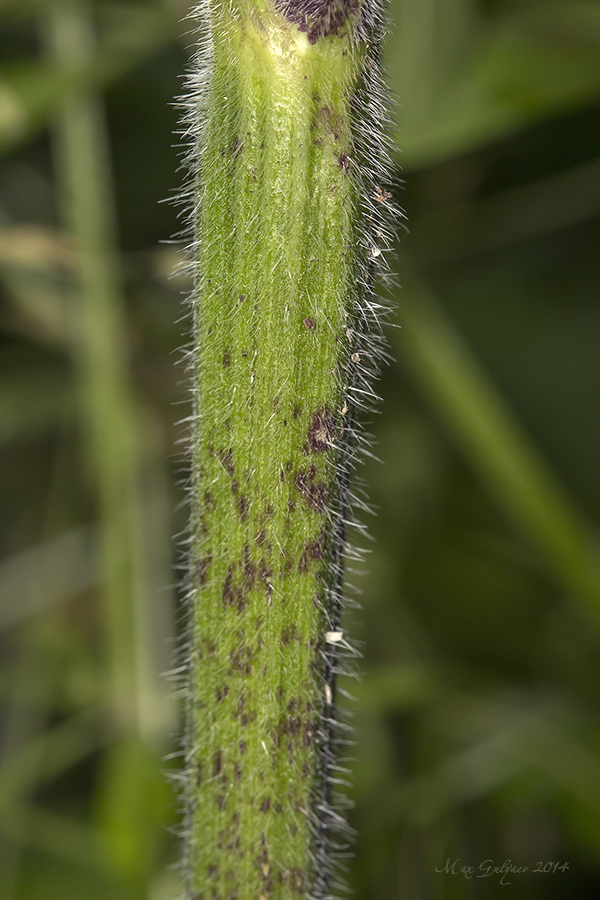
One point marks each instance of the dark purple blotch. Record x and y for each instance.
(318, 18)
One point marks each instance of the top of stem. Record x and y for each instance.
(318, 18)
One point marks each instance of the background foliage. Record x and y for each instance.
(478, 734)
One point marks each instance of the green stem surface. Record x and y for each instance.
(277, 262)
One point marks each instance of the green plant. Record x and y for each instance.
(291, 206)
(477, 711)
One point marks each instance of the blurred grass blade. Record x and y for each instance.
(493, 441)
(100, 350)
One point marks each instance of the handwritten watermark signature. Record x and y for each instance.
(504, 871)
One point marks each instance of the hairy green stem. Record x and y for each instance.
(288, 227)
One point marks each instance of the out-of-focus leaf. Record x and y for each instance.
(32, 91)
(496, 740)
(34, 263)
(30, 402)
(49, 755)
(520, 67)
(132, 809)
(520, 214)
(396, 688)
(49, 573)
(56, 835)
(515, 472)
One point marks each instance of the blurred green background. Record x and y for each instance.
(477, 722)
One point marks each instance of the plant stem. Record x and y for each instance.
(288, 228)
